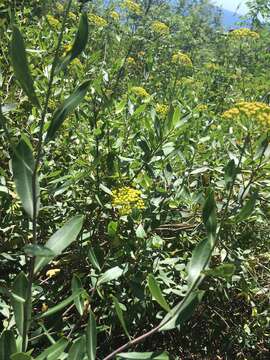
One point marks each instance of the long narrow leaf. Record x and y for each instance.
(77, 349)
(68, 106)
(76, 286)
(156, 292)
(18, 300)
(59, 241)
(7, 345)
(53, 352)
(20, 65)
(91, 337)
(119, 313)
(23, 167)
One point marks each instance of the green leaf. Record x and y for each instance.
(225, 271)
(53, 351)
(38, 250)
(144, 356)
(23, 167)
(156, 292)
(7, 345)
(76, 286)
(59, 241)
(111, 274)
(60, 305)
(247, 209)
(21, 356)
(209, 216)
(119, 313)
(93, 259)
(80, 41)
(68, 106)
(140, 232)
(230, 172)
(182, 311)
(91, 337)
(20, 65)
(77, 349)
(199, 261)
(18, 299)
(112, 229)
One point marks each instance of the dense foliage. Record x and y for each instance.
(134, 181)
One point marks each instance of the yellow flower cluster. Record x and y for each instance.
(162, 109)
(125, 199)
(131, 61)
(257, 111)
(76, 62)
(59, 7)
(132, 6)
(160, 28)
(114, 15)
(202, 107)
(53, 21)
(67, 48)
(181, 59)
(243, 33)
(139, 91)
(97, 20)
(72, 16)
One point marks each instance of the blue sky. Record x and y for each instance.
(232, 5)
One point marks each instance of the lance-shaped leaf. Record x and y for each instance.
(79, 42)
(182, 311)
(54, 351)
(59, 241)
(91, 337)
(60, 305)
(21, 356)
(7, 344)
(68, 106)
(209, 216)
(77, 349)
(23, 166)
(109, 275)
(20, 65)
(119, 313)
(247, 209)
(156, 292)
(18, 300)
(76, 286)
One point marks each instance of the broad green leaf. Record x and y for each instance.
(18, 300)
(199, 261)
(225, 271)
(156, 292)
(21, 356)
(20, 65)
(60, 305)
(247, 209)
(113, 229)
(76, 286)
(209, 216)
(91, 337)
(80, 41)
(119, 313)
(144, 356)
(140, 232)
(23, 166)
(59, 241)
(93, 259)
(38, 250)
(54, 351)
(68, 106)
(7, 345)
(77, 349)
(182, 311)
(109, 275)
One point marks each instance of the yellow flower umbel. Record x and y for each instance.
(97, 20)
(132, 6)
(160, 28)
(53, 21)
(256, 111)
(67, 48)
(202, 107)
(114, 15)
(72, 16)
(131, 61)
(162, 109)
(181, 59)
(125, 199)
(139, 91)
(243, 33)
